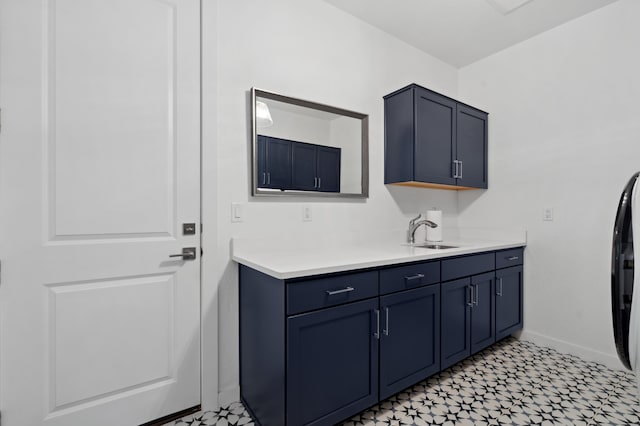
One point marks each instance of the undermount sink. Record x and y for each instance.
(434, 246)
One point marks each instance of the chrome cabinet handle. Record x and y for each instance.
(476, 291)
(455, 169)
(499, 290)
(343, 290)
(268, 178)
(377, 333)
(319, 183)
(188, 253)
(460, 171)
(512, 258)
(386, 322)
(264, 178)
(470, 302)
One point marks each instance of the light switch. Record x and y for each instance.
(547, 214)
(237, 212)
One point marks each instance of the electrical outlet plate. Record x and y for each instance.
(307, 214)
(547, 214)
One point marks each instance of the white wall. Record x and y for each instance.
(308, 50)
(564, 133)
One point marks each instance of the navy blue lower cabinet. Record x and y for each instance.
(483, 331)
(455, 308)
(508, 294)
(332, 363)
(410, 338)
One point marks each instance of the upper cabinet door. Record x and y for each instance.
(328, 169)
(276, 170)
(435, 138)
(472, 144)
(303, 166)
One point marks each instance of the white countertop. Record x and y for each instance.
(284, 261)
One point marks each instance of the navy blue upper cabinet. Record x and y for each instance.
(315, 167)
(290, 165)
(434, 141)
(410, 338)
(332, 363)
(274, 163)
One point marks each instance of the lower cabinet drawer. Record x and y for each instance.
(507, 258)
(410, 276)
(307, 295)
(467, 266)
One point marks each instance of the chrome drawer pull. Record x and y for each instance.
(414, 277)
(344, 290)
(512, 258)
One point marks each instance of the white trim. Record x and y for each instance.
(228, 396)
(587, 354)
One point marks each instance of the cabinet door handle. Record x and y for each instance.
(455, 169)
(319, 183)
(342, 290)
(377, 333)
(264, 178)
(385, 331)
(470, 302)
(268, 178)
(476, 291)
(499, 289)
(512, 258)
(460, 169)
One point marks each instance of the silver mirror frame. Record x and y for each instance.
(364, 120)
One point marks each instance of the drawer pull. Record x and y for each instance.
(512, 258)
(344, 290)
(414, 277)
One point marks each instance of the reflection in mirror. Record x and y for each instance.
(306, 148)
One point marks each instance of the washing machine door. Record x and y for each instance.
(622, 267)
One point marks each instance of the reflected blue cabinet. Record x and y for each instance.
(289, 165)
(433, 140)
(274, 163)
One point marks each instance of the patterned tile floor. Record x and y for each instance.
(512, 383)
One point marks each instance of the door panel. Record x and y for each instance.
(410, 342)
(332, 363)
(101, 130)
(304, 166)
(472, 146)
(483, 312)
(435, 138)
(277, 163)
(508, 301)
(456, 321)
(328, 169)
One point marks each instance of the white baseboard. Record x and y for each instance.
(228, 396)
(587, 354)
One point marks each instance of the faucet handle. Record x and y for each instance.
(412, 221)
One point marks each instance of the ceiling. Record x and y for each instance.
(461, 32)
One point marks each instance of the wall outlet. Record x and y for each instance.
(307, 214)
(547, 214)
(237, 212)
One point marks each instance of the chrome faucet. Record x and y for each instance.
(415, 224)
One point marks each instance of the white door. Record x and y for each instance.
(99, 169)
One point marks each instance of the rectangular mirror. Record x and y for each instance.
(302, 148)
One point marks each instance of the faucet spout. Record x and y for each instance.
(413, 226)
